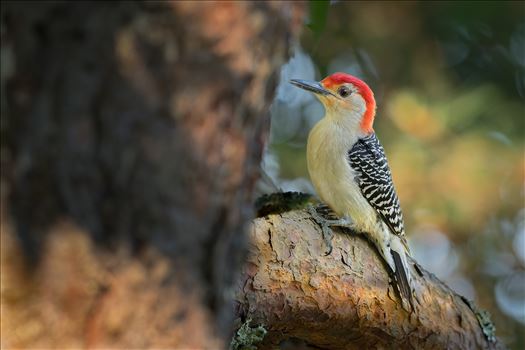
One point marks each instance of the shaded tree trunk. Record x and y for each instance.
(131, 139)
(305, 299)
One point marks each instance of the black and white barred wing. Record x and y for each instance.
(368, 159)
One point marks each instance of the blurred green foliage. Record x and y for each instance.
(318, 13)
(449, 79)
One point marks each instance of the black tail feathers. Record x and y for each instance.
(402, 282)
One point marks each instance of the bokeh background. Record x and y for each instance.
(449, 80)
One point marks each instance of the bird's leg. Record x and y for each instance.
(326, 225)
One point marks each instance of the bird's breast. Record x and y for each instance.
(331, 174)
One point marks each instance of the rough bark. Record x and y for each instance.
(343, 300)
(132, 133)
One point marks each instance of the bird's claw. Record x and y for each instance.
(325, 227)
(328, 235)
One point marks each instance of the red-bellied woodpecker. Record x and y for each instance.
(350, 172)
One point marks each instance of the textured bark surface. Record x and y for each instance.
(343, 300)
(132, 134)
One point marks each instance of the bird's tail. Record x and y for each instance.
(403, 278)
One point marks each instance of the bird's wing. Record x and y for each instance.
(368, 159)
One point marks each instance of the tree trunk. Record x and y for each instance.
(305, 299)
(131, 138)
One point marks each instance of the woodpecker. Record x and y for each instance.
(350, 172)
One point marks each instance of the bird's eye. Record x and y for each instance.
(344, 91)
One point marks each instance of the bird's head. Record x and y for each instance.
(347, 99)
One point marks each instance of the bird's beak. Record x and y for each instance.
(311, 86)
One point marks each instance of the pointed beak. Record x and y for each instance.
(311, 86)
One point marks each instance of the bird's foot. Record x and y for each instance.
(326, 225)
